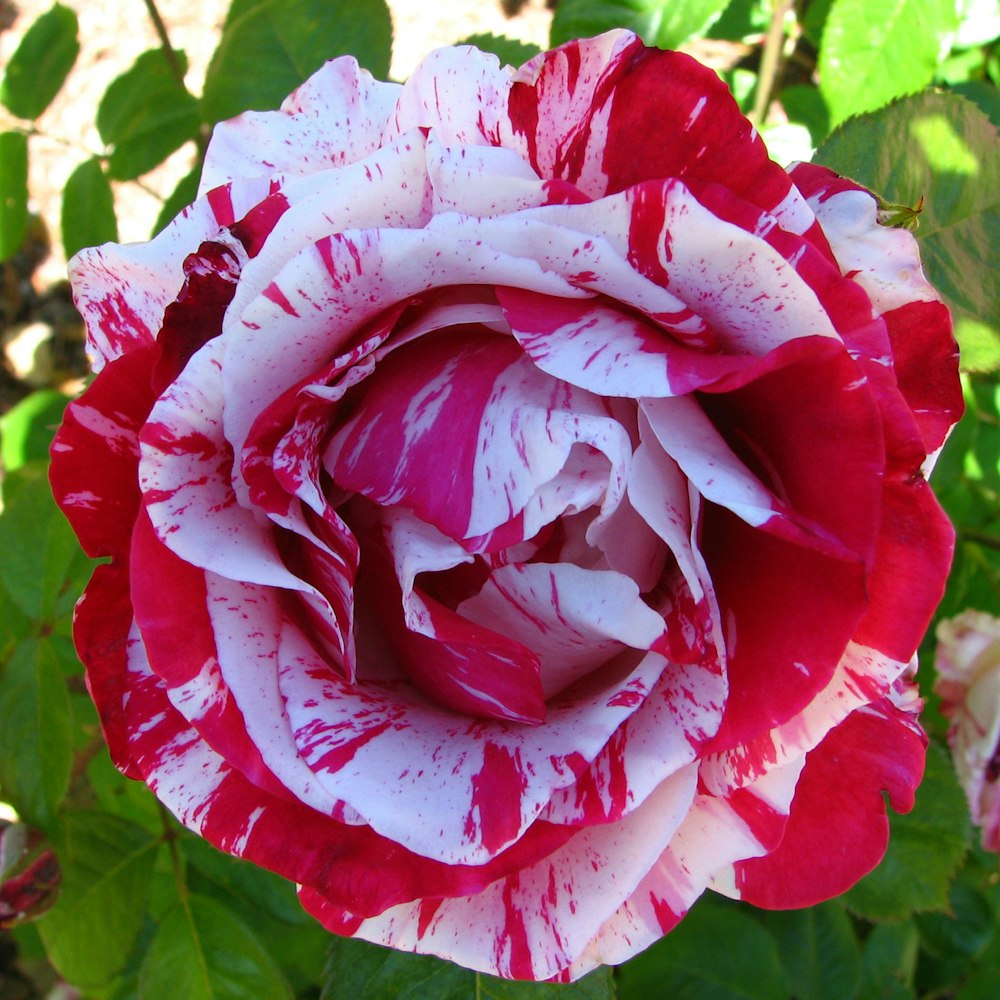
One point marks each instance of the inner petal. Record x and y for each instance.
(462, 429)
(574, 619)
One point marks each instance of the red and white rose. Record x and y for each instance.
(513, 483)
(968, 683)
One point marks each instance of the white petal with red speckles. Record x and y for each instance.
(574, 619)
(184, 474)
(460, 93)
(330, 289)
(689, 438)
(532, 925)
(715, 833)
(335, 118)
(387, 189)
(122, 291)
(884, 260)
(481, 180)
(247, 621)
(454, 789)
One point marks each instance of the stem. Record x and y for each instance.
(981, 538)
(170, 54)
(769, 60)
(170, 839)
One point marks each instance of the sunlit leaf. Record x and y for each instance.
(292, 38)
(818, 949)
(88, 209)
(145, 115)
(510, 51)
(40, 64)
(665, 23)
(357, 970)
(13, 192)
(717, 952)
(36, 735)
(873, 53)
(943, 148)
(201, 951)
(106, 865)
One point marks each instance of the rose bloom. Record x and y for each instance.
(968, 683)
(512, 483)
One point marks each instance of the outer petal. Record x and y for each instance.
(335, 118)
(838, 829)
(582, 114)
(122, 291)
(532, 924)
(454, 789)
(349, 863)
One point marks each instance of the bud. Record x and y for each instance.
(29, 874)
(968, 683)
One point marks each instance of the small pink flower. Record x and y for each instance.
(513, 484)
(968, 683)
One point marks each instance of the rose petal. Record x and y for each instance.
(446, 795)
(531, 925)
(335, 118)
(838, 828)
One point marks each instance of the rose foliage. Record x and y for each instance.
(513, 484)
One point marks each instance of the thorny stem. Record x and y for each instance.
(769, 60)
(168, 50)
(170, 54)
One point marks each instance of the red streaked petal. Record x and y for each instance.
(532, 924)
(454, 789)
(101, 430)
(838, 829)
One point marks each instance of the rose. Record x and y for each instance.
(513, 488)
(29, 875)
(968, 683)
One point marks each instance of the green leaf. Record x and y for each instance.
(262, 890)
(510, 51)
(717, 952)
(14, 626)
(42, 566)
(925, 849)
(41, 63)
(888, 961)
(292, 39)
(357, 970)
(26, 428)
(818, 950)
(967, 482)
(202, 952)
(145, 114)
(873, 53)
(964, 931)
(981, 981)
(944, 148)
(984, 95)
(181, 196)
(665, 23)
(106, 867)
(36, 735)
(13, 192)
(88, 209)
